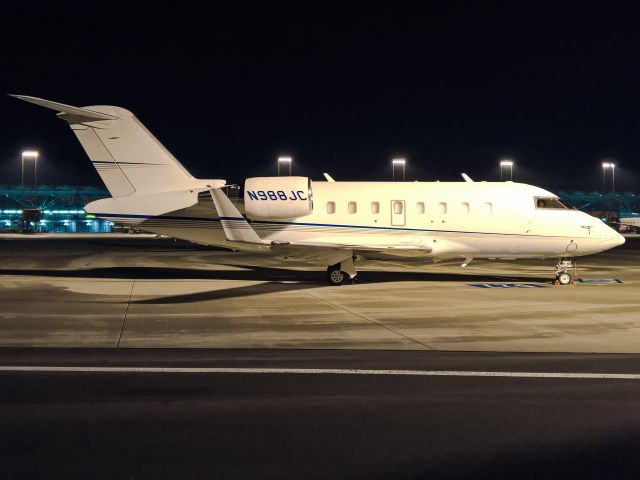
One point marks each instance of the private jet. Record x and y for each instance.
(330, 223)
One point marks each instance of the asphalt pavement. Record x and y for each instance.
(251, 424)
(137, 292)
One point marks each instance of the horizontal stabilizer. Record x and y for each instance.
(75, 112)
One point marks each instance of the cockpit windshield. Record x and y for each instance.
(550, 202)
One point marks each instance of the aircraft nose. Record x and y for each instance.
(611, 241)
(617, 239)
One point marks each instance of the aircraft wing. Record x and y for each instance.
(318, 248)
(378, 243)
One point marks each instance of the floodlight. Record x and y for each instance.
(284, 161)
(30, 154)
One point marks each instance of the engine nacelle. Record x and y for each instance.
(278, 197)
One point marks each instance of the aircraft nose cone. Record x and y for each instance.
(612, 241)
(618, 240)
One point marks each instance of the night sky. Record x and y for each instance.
(342, 87)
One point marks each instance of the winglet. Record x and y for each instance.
(63, 109)
(235, 226)
(328, 177)
(467, 178)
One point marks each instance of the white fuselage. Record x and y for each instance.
(449, 219)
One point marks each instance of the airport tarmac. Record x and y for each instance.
(307, 380)
(137, 291)
(217, 413)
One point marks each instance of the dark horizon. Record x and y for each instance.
(453, 88)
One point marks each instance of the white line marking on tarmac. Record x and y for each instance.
(318, 371)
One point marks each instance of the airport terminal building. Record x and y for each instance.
(50, 208)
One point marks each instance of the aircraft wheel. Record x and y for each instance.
(335, 276)
(564, 278)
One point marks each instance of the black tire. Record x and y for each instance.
(564, 278)
(335, 276)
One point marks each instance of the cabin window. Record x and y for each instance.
(442, 207)
(487, 208)
(420, 207)
(465, 207)
(398, 207)
(375, 208)
(352, 207)
(331, 207)
(550, 202)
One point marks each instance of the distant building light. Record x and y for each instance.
(506, 163)
(398, 161)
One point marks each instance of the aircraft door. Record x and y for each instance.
(398, 213)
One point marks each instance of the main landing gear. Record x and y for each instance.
(563, 277)
(342, 272)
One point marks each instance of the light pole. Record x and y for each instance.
(284, 160)
(613, 178)
(507, 163)
(612, 166)
(398, 162)
(32, 155)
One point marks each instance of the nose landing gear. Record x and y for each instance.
(563, 277)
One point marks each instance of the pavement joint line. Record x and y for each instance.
(369, 320)
(124, 319)
(319, 371)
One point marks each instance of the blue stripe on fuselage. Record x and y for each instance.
(304, 224)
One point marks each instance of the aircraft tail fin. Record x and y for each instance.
(128, 158)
